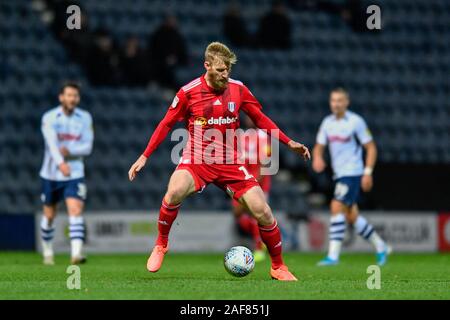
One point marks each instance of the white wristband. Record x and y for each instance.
(368, 171)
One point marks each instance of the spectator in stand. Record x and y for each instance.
(275, 28)
(134, 65)
(234, 27)
(103, 60)
(167, 51)
(354, 13)
(77, 41)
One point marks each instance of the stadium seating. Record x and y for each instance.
(397, 78)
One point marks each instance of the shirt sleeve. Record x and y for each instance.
(253, 109)
(51, 139)
(321, 134)
(83, 147)
(362, 131)
(248, 100)
(176, 112)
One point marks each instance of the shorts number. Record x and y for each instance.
(341, 190)
(247, 175)
(82, 190)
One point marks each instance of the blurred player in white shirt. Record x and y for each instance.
(346, 134)
(68, 135)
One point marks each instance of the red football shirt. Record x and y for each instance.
(212, 118)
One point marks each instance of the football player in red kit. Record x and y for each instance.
(255, 151)
(210, 106)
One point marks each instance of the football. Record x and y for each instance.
(239, 261)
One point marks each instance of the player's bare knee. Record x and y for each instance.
(75, 210)
(49, 216)
(74, 207)
(174, 196)
(257, 209)
(268, 216)
(337, 207)
(263, 214)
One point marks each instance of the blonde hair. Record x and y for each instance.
(217, 50)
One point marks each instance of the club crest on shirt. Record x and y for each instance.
(231, 106)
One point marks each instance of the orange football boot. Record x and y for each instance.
(155, 260)
(282, 274)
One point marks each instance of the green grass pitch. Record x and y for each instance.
(202, 276)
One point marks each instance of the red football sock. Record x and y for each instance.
(271, 236)
(167, 215)
(249, 225)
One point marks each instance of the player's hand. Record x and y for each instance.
(300, 149)
(136, 167)
(318, 164)
(366, 183)
(64, 151)
(65, 169)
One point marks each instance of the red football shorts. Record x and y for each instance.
(232, 178)
(265, 182)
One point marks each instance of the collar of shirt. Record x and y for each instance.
(61, 112)
(345, 117)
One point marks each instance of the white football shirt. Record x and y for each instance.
(75, 132)
(345, 137)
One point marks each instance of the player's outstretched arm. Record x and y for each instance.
(300, 149)
(264, 122)
(252, 108)
(158, 136)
